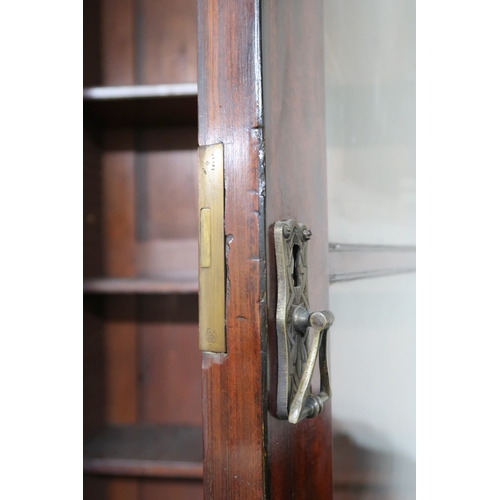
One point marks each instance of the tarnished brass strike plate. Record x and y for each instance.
(211, 246)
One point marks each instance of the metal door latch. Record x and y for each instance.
(298, 349)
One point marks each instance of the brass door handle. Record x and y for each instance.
(297, 349)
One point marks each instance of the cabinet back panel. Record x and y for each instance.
(170, 360)
(91, 43)
(93, 349)
(148, 42)
(121, 359)
(119, 203)
(93, 367)
(100, 488)
(92, 209)
(150, 203)
(153, 364)
(117, 42)
(94, 488)
(151, 489)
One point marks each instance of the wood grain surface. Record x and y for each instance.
(300, 456)
(148, 42)
(261, 94)
(234, 384)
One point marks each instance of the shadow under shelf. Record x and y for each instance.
(141, 105)
(146, 450)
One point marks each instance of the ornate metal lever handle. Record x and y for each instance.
(303, 405)
(297, 354)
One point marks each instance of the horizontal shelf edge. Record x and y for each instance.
(140, 91)
(144, 468)
(145, 450)
(123, 285)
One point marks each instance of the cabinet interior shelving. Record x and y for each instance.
(142, 365)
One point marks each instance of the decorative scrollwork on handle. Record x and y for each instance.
(297, 349)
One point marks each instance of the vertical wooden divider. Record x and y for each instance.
(118, 42)
(120, 331)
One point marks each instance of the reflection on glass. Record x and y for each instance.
(370, 115)
(372, 372)
(370, 97)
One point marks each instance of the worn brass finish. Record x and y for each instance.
(205, 237)
(297, 353)
(212, 253)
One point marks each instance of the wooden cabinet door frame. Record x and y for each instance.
(260, 74)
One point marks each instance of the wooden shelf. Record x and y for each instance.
(146, 450)
(141, 105)
(139, 285)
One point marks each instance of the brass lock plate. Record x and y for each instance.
(212, 332)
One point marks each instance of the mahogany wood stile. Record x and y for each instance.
(294, 123)
(261, 94)
(234, 383)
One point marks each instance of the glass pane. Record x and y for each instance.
(370, 120)
(370, 116)
(372, 374)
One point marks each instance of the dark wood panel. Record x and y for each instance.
(94, 488)
(146, 41)
(234, 384)
(350, 262)
(118, 42)
(139, 285)
(171, 259)
(122, 488)
(92, 209)
(91, 43)
(94, 390)
(150, 205)
(100, 487)
(171, 182)
(146, 450)
(93, 347)
(170, 361)
(119, 204)
(166, 41)
(120, 337)
(293, 99)
(165, 489)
